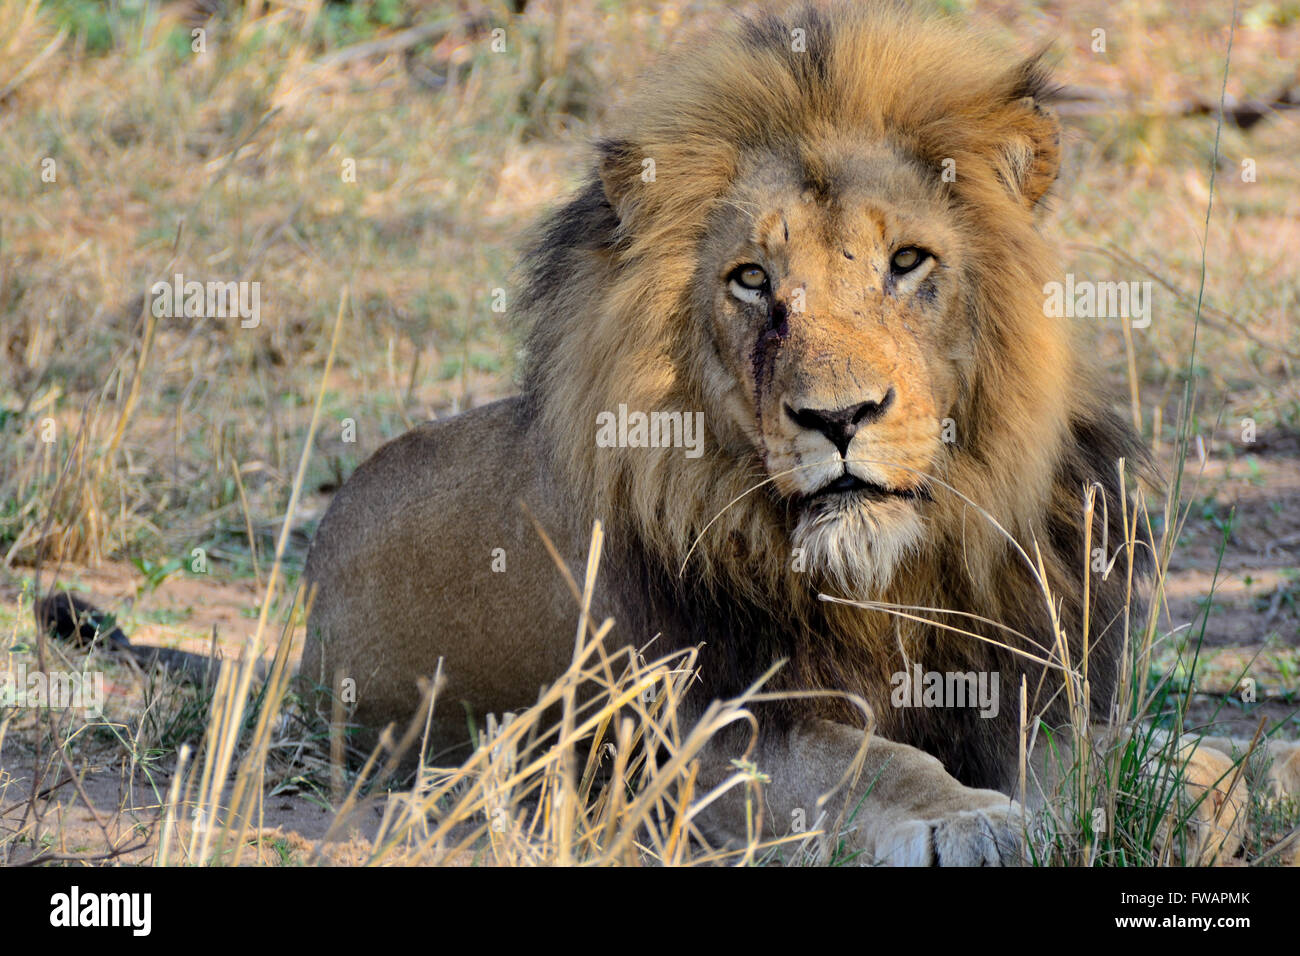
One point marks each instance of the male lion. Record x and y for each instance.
(819, 232)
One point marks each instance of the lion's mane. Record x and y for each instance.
(606, 298)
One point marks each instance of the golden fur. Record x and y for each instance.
(854, 131)
(820, 156)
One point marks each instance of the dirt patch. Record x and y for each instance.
(184, 611)
(123, 820)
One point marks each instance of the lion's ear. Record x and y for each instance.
(621, 171)
(1030, 157)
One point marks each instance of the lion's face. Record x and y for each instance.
(840, 345)
(839, 265)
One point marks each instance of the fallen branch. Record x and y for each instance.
(402, 40)
(1092, 101)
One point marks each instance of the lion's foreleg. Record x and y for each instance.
(901, 807)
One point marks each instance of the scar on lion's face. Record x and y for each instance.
(836, 325)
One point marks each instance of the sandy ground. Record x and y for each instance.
(1253, 627)
(106, 814)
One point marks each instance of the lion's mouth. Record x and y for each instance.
(851, 485)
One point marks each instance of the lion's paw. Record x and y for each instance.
(985, 836)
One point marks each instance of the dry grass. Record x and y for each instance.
(130, 437)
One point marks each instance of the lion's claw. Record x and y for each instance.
(989, 836)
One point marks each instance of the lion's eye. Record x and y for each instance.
(748, 282)
(905, 260)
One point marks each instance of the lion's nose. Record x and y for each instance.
(841, 424)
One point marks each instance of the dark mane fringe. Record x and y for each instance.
(583, 226)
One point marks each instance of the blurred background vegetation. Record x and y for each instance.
(218, 139)
(400, 149)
